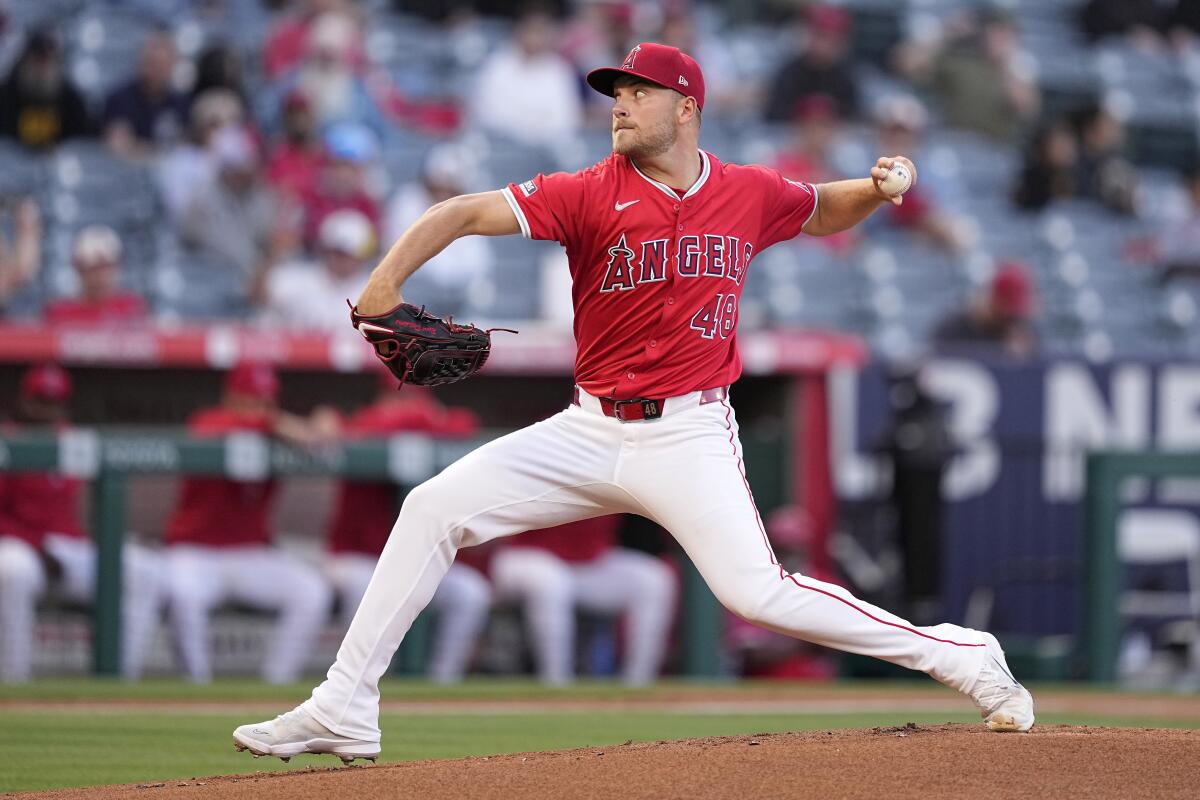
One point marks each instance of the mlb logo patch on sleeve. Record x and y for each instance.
(528, 187)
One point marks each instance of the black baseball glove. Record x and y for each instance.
(422, 349)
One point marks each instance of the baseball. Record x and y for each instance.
(897, 181)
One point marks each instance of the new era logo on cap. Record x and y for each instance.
(666, 66)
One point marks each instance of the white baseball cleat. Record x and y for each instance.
(1004, 704)
(296, 732)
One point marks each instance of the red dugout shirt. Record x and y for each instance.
(34, 504)
(657, 274)
(366, 510)
(218, 512)
(577, 542)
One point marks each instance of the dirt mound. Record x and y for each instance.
(910, 761)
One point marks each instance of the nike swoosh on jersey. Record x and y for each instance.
(623, 206)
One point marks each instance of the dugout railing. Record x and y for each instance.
(1103, 502)
(108, 461)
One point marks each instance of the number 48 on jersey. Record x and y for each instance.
(718, 317)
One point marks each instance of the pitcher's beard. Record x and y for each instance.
(646, 143)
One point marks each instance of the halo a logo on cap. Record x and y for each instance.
(629, 59)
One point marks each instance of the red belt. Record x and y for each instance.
(641, 408)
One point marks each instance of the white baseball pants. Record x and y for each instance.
(23, 580)
(201, 578)
(619, 581)
(685, 472)
(462, 601)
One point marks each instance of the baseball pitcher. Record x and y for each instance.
(659, 237)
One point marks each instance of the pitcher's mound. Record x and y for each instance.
(950, 761)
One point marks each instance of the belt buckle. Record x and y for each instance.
(618, 406)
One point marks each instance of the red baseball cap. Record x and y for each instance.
(1012, 290)
(829, 20)
(253, 378)
(658, 63)
(47, 382)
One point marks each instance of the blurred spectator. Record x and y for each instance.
(1143, 23)
(761, 653)
(821, 66)
(288, 41)
(39, 105)
(554, 571)
(146, 114)
(296, 159)
(598, 32)
(1051, 168)
(998, 323)
(232, 216)
(725, 89)
(899, 127)
(1102, 172)
(527, 80)
(467, 260)
(815, 128)
(219, 66)
(351, 151)
(218, 540)
(313, 296)
(977, 72)
(329, 78)
(1178, 244)
(366, 513)
(42, 542)
(96, 257)
(190, 163)
(21, 260)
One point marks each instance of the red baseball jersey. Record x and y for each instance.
(33, 504)
(218, 512)
(658, 272)
(366, 510)
(577, 542)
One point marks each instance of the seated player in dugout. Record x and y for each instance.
(659, 236)
(43, 543)
(218, 538)
(579, 565)
(363, 517)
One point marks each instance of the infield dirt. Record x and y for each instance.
(929, 762)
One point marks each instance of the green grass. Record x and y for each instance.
(60, 746)
(237, 689)
(233, 689)
(74, 750)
